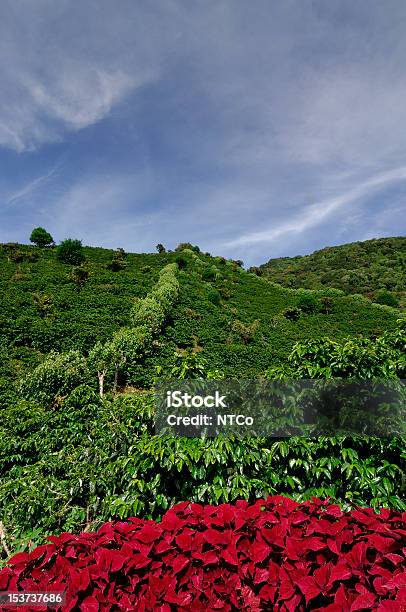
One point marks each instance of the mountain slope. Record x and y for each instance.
(371, 268)
(242, 323)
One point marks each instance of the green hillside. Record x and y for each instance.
(243, 324)
(81, 346)
(374, 268)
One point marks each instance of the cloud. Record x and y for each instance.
(50, 85)
(29, 189)
(318, 212)
(47, 108)
(81, 97)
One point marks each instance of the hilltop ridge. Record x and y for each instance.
(374, 268)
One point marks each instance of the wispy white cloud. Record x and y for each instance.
(82, 97)
(53, 82)
(29, 189)
(46, 109)
(317, 213)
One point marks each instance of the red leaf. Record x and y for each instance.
(252, 602)
(309, 587)
(216, 538)
(261, 575)
(179, 564)
(363, 602)
(19, 558)
(395, 559)
(260, 551)
(340, 572)
(90, 604)
(229, 555)
(148, 534)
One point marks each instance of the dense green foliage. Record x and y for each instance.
(374, 268)
(70, 252)
(383, 357)
(86, 460)
(70, 459)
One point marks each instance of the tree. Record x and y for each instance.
(184, 245)
(71, 252)
(41, 238)
(292, 314)
(101, 359)
(128, 344)
(387, 299)
(256, 270)
(118, 262)
(181, 261)
(160, 248)
(120, 253)
(214, 297)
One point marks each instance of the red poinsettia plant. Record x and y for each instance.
(275, 554)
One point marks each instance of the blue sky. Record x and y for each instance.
(253, 129)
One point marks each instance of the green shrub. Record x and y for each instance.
(181, 261)
(116, 264)
(70, 252)
(17, 256)
(386, 298)
(214, 297)
(209, 274)
(43, 302)
(245, 331)
(327, 305)
(225, 293)
(55, 377)
(101, 460)
(292, 314)
(307, 303)
(79, 276)
(383, 357)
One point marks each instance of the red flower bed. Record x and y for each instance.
(275, 554)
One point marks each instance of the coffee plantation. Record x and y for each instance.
(77, 443)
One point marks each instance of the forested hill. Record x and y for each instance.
(241, 323)
(374, 268)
